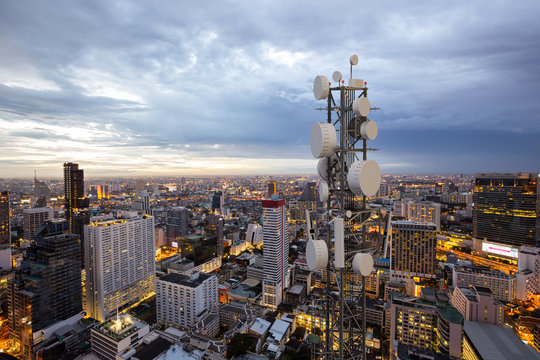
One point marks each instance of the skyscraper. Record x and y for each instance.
(120, 264)
(5, 232)
(75, 201)
(177, 224)
(276, 251)
(214, 227)
(218, 201)
(505, 209)
(46, 289)
(272, 188)
(33, 219)
(414, 247)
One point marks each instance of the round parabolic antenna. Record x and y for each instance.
(321, 88)
(364, 178)
(337, 76)
(362, 264)
(353, 59)
(369, 130)
(322, 168)
(316, 254)
(361, 106)
(323, 191)
(323, 139)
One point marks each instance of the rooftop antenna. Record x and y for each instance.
(348, 179)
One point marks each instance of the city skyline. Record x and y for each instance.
(180, 89)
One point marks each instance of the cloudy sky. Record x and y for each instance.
(225, 87)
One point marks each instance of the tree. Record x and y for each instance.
(239, 344)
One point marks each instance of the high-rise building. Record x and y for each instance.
(46, 289)
(272, 188)
(41, 190)
(421, 211)
(75, 203)
(33, 219)
(414, 247)
(5, 232)
(502, 285)
(102, 191)
(141, 202)
(276, 251)
(218, 201)
(506, 209)
(120, 264)
(184, 300)
(139, 185)
(199, 248)
(74, 191)
(177, 225)
(528, 275)
(214, 227)
(478, 304)
(254, 235)
(428, 322)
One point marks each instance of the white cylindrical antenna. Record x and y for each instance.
(323, 140)
(362, 264)
(339, 243)
(316, 254)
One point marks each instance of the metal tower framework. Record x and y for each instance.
(345, 294)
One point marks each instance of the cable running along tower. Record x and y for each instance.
(337, 243)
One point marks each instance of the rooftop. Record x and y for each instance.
(185, 280)
(120, 327)
(497, 343)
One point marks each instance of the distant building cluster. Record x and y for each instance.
(208, 268)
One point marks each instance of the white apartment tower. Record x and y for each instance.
(120, 264)
(33, 218)
(183, 300)
(276, 251)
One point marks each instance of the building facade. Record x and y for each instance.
(429, 322)
(276, 251)
(75, 199)
(478, 304)
(183, 300)
(414, 247)
(120, 264)
(46, 289)
(33, 219)
(502, 285)
(5, 232)
(506, 209)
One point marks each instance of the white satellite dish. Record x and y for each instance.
(337, 76)
(364, 178)
(353, 59)
(322, 168)
(324, 193)
(316, 254)
(362, 264)
(369, 130)
(323, 139)
(321, 87)
(361, 106)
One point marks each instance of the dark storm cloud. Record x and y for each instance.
(233, 79)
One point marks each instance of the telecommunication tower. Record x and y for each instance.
(337, 243)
